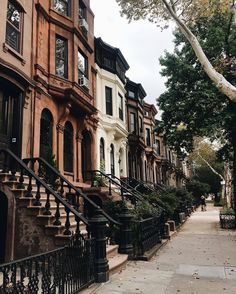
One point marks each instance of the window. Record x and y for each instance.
(148, 137)
(131, 94)
(121, 109)
(102, 155)
(61, 57)
(14, 27)
(68, 147)
(140, 125)
(83, 17)
(108, 93)
(132, 123)
(63, 6)
(158, 146)
(82, 10)
(112, 159)
(46, 130)
(82, 65)
(169, 155)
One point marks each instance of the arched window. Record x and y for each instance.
(102, 155)
(46, 123)
(68, 147)
(112, 159)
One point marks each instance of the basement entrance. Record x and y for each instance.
(3, 225)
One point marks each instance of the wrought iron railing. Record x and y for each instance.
(64, 270)
(11, 163)
(138, 196)
(114, 183)
(64, 187)
(147, 234)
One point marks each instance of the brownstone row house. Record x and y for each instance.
(51, 93)
(48, 82)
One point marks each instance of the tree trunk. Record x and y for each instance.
(234, 165)
(218, 79)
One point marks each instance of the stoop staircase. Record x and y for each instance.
(52, 207)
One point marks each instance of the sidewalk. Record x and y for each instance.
(201, 259)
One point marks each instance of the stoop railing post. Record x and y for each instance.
(98, 231)
(126, 233)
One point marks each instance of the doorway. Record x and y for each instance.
(3, 225)
(10, 116)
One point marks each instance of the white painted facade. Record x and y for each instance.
(111, 128)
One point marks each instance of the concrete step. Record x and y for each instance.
(117, 263)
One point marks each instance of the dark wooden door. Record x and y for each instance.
(10, 117)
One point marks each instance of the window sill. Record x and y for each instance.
(66, 173)
(8, 49)
(61, 14)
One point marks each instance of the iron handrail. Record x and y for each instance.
(112, 181)
(109, 177)
(47, 188)
(77, 190)
(137, 192)
(137, 183)
(139, 196)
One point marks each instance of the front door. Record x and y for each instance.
(10, 117)
(3, 225)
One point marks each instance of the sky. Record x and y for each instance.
(141, 42)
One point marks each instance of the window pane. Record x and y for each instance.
(132, 123)
(148, 139)
(121, 115)
(62, 6)
(13, 15)
(61, 57)
(81, 64)
(108, 101)
(13, 37)
(82, 10)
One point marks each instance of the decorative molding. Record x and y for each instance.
(65, 113)
(60, 128)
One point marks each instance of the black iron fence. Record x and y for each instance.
(64, 270)
(147, 234)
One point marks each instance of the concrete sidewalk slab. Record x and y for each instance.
(200, 259)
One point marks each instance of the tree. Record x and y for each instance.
(207, 167)
(192, 106)
(185, 13)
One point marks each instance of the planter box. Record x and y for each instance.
(227, 221)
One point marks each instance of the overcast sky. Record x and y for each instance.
(141, 43)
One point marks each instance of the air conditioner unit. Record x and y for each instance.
(84, 82)
(83, 24)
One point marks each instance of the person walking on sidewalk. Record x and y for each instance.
(203, 203)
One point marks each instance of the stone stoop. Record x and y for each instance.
(117, 262)
(51, 231)
(102, 192)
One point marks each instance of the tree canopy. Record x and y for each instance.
(192, 106)
(186, 13)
